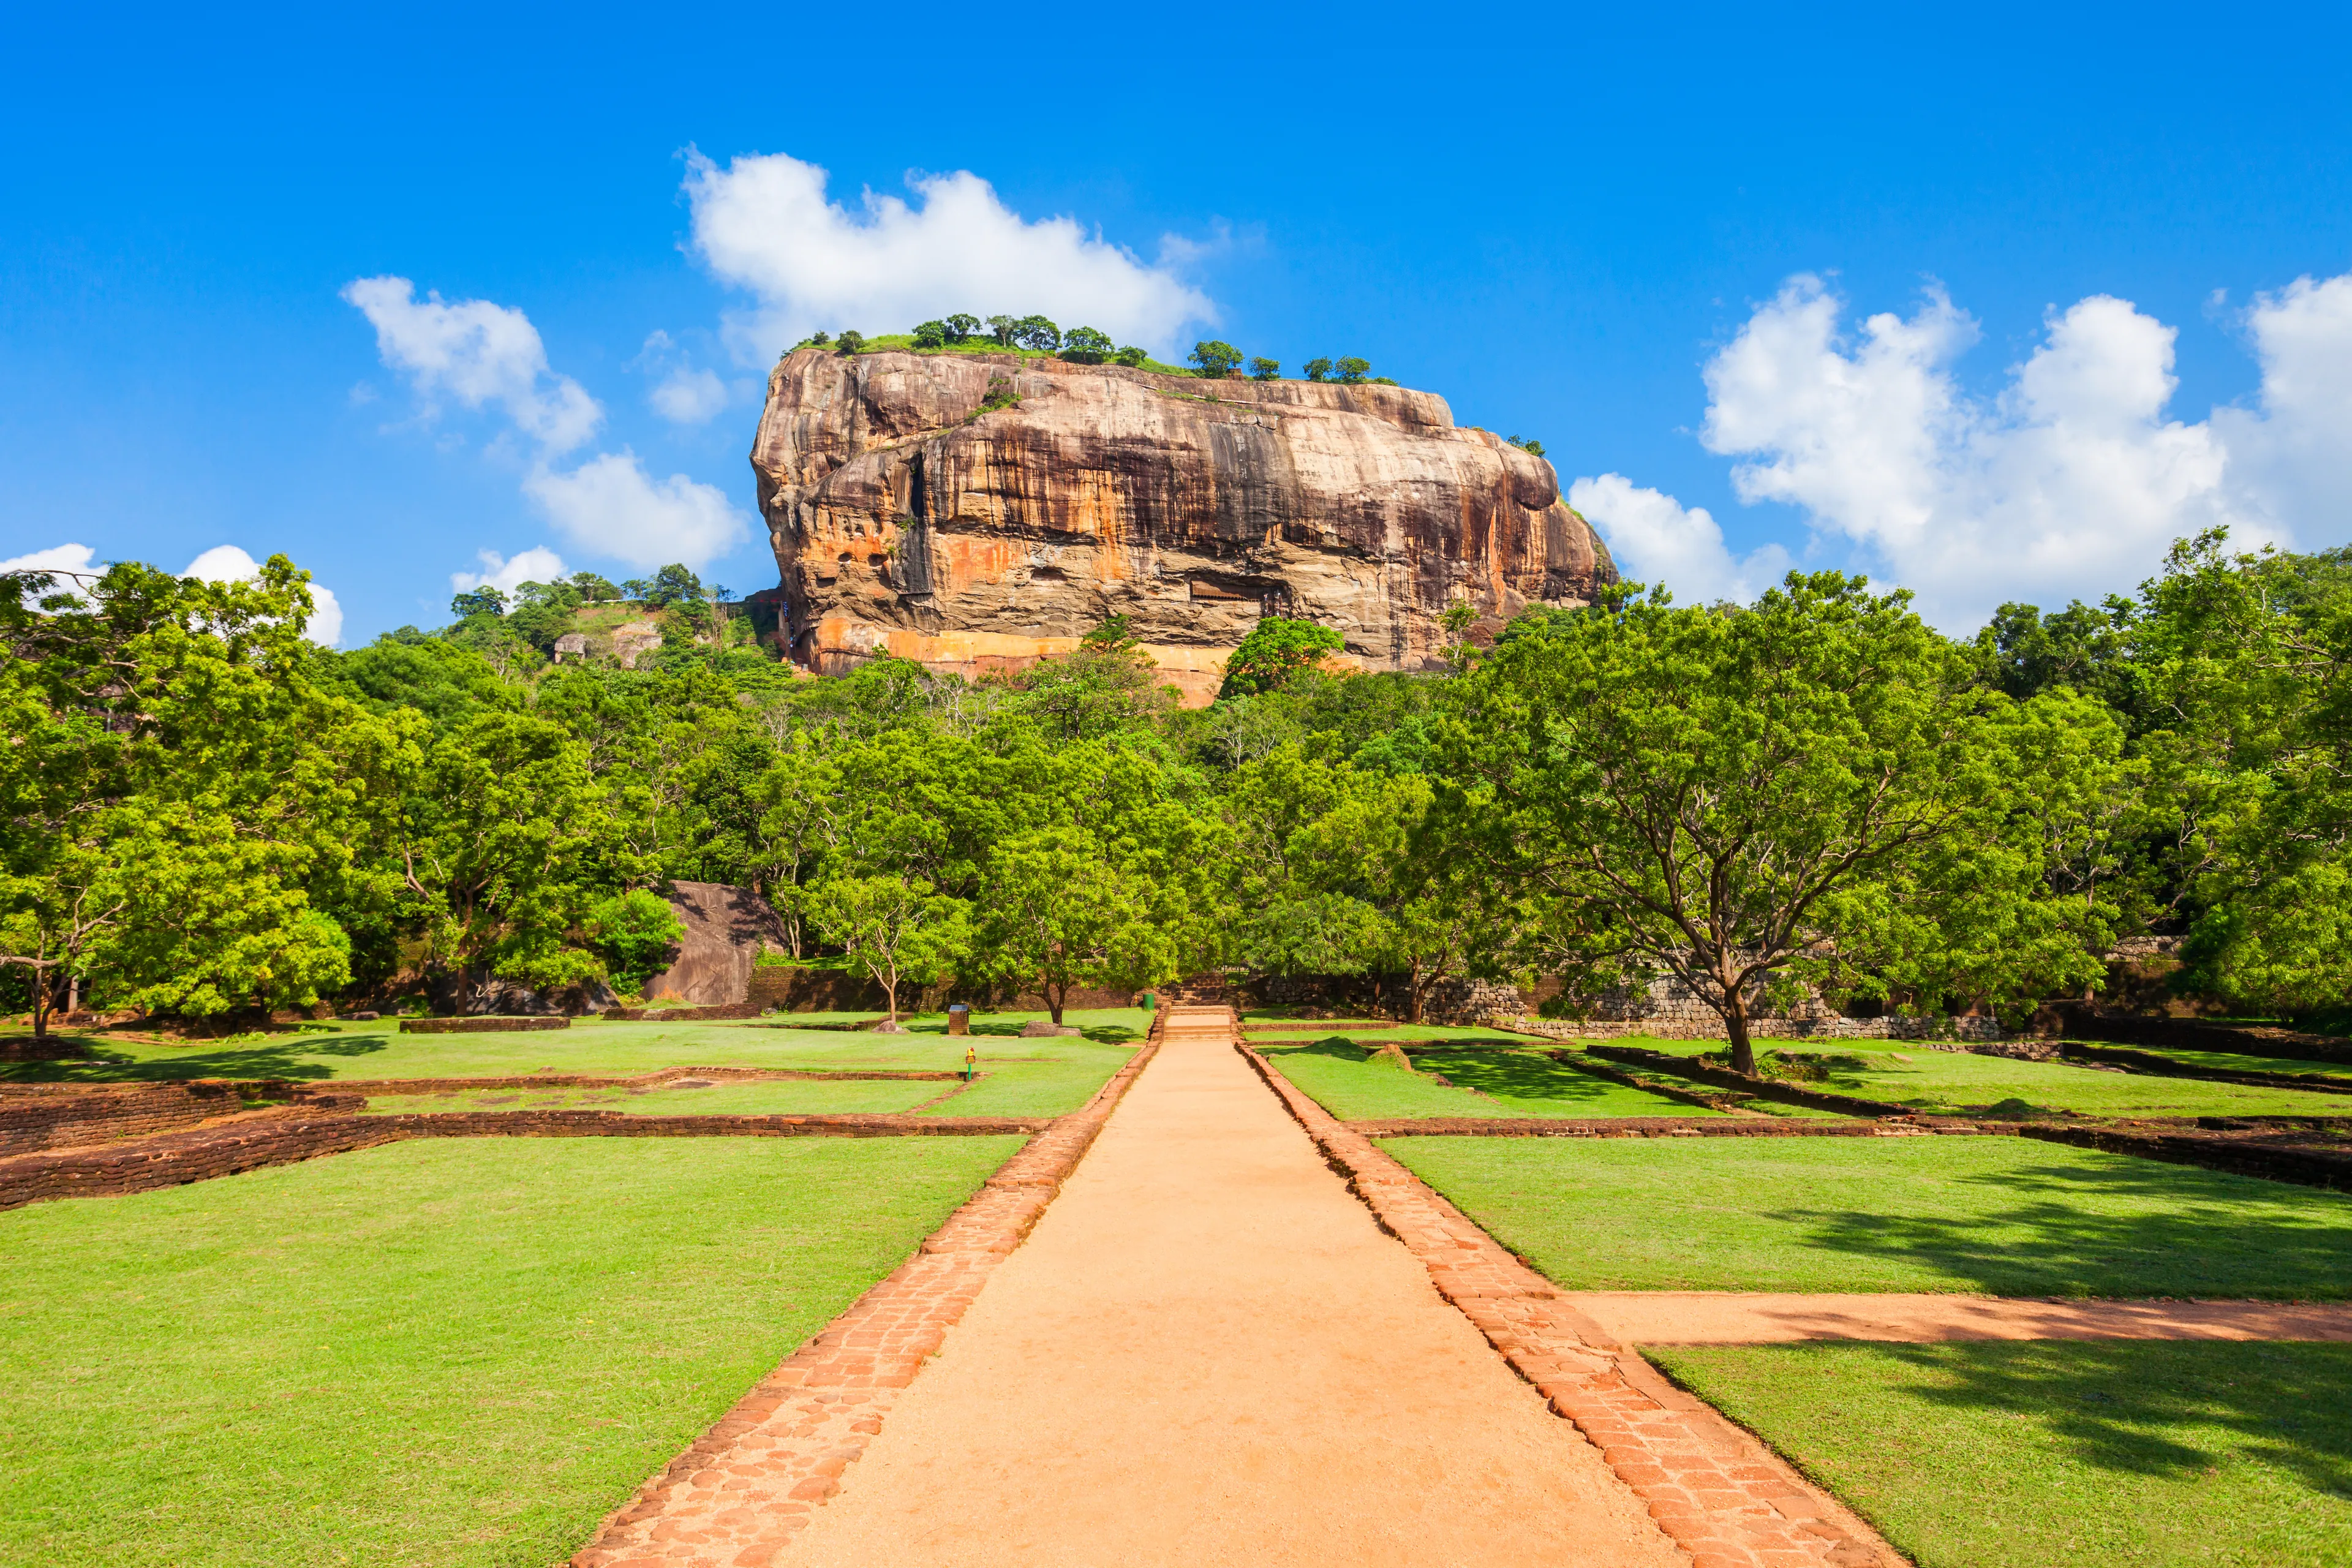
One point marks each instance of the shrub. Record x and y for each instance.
(1532, 449)
(1352, 369)
(1318, 369)
(931, 334)
(635, 932)
(1215, 359)
(1132, 356)
(1275, 651)
(961, 326)
(850, 343)
(1266, 369)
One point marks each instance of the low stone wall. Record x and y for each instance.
(792, 988)
(2166, 1067)
(715, 1011)
(191, 1155)
(2078, 1021)
(2241, 1151)
(489, 1025)
(67, 1116)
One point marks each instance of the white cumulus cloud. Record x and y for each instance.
(763, 223)
(57, 558)
(482, 352)
(227, 564)
(1658, 540)
(537, 564)
(479, 353)
(687, 395)
(612, 506)
(2069, 480)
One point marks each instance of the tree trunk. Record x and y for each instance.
(1415, 1008)
(40, 1003)
(1735, 1024)
(1054, 997)
(890, 993)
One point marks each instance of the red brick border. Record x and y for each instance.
(1712, 1486)
(741, 1493)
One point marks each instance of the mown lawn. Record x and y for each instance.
(2001, 1216)
(1907, 1074)
(2239, 1061)
(2025, 1455)
(445, 1352)
(771, 1098)
(1353, 1084)
(1028, 1076)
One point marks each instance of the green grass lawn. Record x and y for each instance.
(768, 1098)
(2006, 1216)
(2025, 1455)
(1354, 1086)
(2238, 1061)
(445, 1352)
(378, 1051)
(1959, 1084)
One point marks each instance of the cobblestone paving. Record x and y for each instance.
(1713, 1487)
(742, 1492)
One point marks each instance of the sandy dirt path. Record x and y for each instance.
(1207, 1353)
(1729, 1318)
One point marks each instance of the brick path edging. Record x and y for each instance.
(741, 1494)
(1713, 1487)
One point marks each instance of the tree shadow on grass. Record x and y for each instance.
(1515, 1074)
(293, 1058)
(2119, 1227)
(2136, 1406)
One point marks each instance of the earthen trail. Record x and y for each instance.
(1208, 1354)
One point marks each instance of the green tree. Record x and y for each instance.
(674, 585)
(1318, 369)
(1532, 449)
(898, 928)
(1131, 357)
(482, 601)
(636, 932)
(1266, 369)
(849, 343)
(176, 791)
(1086, 346)
(1005, 329)
(961, 327)
(1215, 359)
(1277, 650)
(1351, 369)
(1037, 333)
(1108, 685)
(1062, 916)
(931, 335)
(1811, 788)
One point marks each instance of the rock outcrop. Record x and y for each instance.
(977, 511)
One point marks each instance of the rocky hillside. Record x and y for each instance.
(975, 511)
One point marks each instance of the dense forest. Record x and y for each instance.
(201, 812)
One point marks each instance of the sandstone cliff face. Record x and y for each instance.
(908, 517)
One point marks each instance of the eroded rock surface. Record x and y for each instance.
(916, 508)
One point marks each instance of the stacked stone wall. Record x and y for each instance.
(66, 1116)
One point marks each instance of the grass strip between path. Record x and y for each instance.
(2022, 1454)
(456, 1353)
(1355, 1085)
(2002, 1217)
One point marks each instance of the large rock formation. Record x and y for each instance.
(917, 508)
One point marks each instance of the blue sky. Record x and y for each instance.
(1653, 241)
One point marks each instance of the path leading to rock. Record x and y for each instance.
(1736, 1318)
(1208, 1354)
